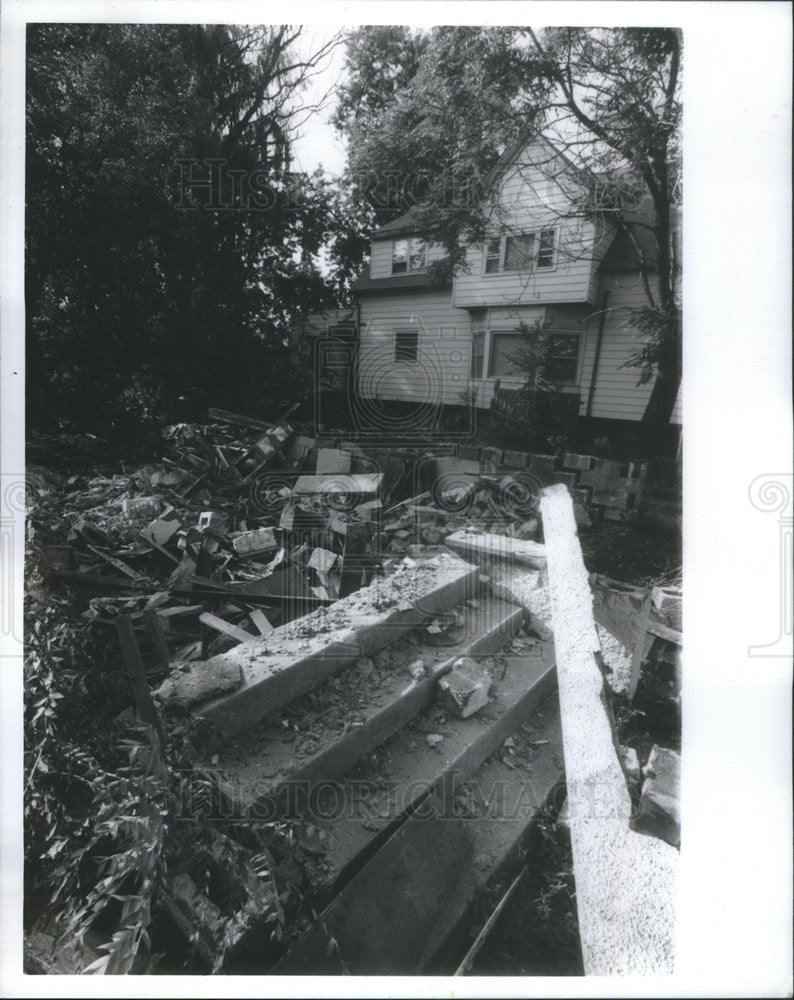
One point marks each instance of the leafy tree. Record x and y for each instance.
(609, 99)
(168, 243)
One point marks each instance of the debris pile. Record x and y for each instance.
(243, 526)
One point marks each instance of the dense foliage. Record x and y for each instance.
(169, 243)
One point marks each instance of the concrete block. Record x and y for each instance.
(468, 451)
(540, 464)
(571, 461)
(250, 543)
(581, 495)
(141, 506)
(604, 471)
(660, 802)
(581, 516)
(569, 479)
(464, 690)
(491, 457)
(331, 461)
(515, 459)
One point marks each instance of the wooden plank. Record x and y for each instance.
(259, 619)
(213, 621)
(135, 668)
(351, 483)
(227, 417)
(160, 645)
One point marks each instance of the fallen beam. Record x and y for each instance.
(297, 657)
(625, 882)
(365, 483)
(477, 546)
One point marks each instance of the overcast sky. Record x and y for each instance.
(318, 142)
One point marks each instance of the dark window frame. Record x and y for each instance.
(407, 352)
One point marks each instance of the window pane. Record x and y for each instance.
(418, 254)
(562, 359)
(477, 352)
(518, 252)
(546, 248)
(406, 345)
(493, 255)
(563, 345)
(504, 348)
(399, 257)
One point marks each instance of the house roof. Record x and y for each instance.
(405, 223)
(395, 283)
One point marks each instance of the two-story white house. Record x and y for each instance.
(426, 341)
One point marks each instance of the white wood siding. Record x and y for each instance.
(441, 372)
(530, 199)
(617, 395)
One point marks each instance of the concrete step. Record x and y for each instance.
(297, 657)
(270, 766)
(366, 806)
(408, 910)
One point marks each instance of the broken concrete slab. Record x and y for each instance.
(260, 771)
(298, 656)
(659, 811)
(464, 690)
(625, 882)
(480, 546)
(190, 684)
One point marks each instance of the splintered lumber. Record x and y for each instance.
(226, 417)
(296, 657)
(478, 546)
(625, 882)
(122, 567)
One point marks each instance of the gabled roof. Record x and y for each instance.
(405, 223)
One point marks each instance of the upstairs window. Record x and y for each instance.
(493, 256)
(519, 251)
(408, 255)
(406, 345)
(546, 249)
(523, 252)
